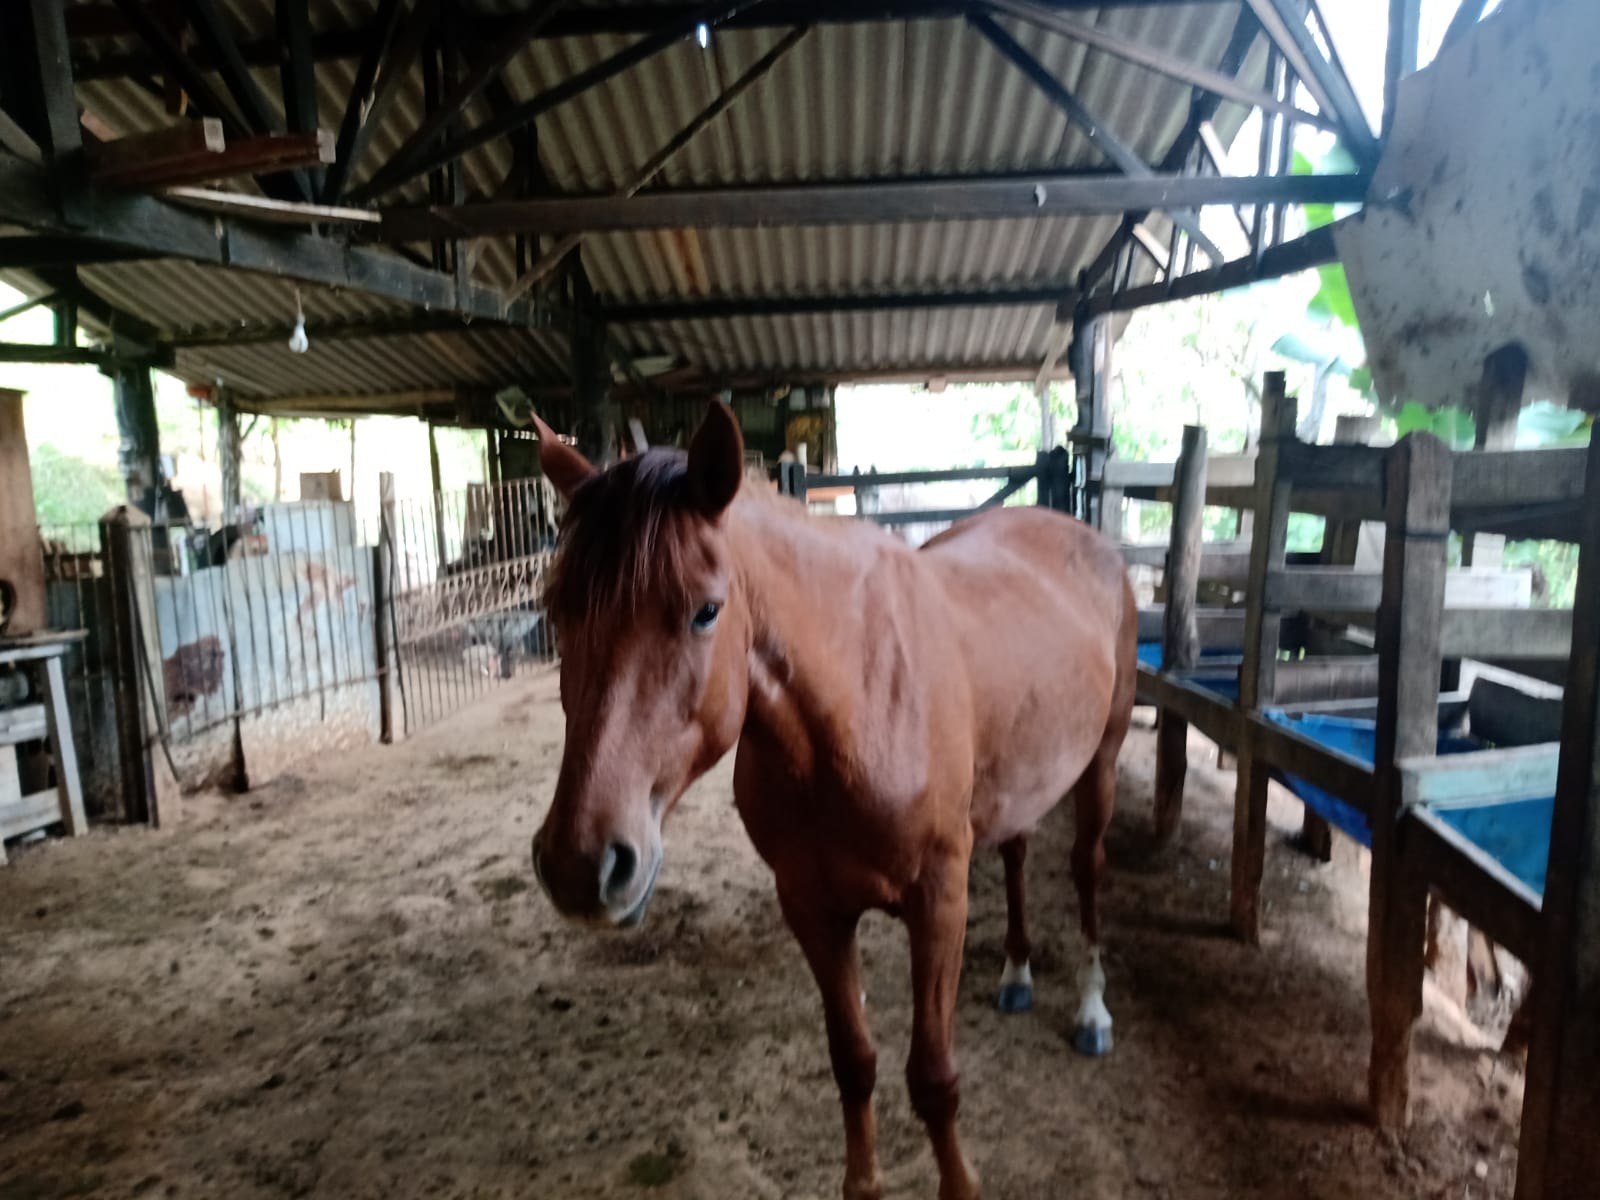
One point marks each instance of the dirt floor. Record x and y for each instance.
(343, 985)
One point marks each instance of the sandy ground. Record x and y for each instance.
(342, 985)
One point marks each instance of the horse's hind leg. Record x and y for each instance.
(1016, 984)
(1093, 798)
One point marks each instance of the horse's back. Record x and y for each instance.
(1044, 619)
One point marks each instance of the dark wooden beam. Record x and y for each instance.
(378, 82)
(485, 67)
(28, 198)
(1091, 124)
(1220, 83)
(297, 73)
(62, 135)
(380, 37)
(863, 204)
(1287, 258)
(1405, 16)
(498, 126)
(30, 253)
(333, 331)
(724, 307)
(621, 20)
(1285, 23)
(170, 59)
(1203, 107)
(56, 355)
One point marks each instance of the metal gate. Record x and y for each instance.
(898, 500)
(465, 573)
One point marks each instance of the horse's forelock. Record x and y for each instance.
(623, 538)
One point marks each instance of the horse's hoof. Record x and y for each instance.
(1092, 1041)
(1014, 998)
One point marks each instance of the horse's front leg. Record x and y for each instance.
(936, 919)
(828, 941)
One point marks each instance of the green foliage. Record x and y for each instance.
(1006, 419)
(68, 490)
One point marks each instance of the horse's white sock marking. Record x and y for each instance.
(1092, 1011)
(1014, 973)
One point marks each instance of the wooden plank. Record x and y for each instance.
(1256, 676)
(1417, 491)
(14, 139)
(1211, 714)
(1180, 644)
(36, 811)
(1512, 478)
(262, 208)
(1340, 589)
(69, 790)
(1276, 746)
(1506, 634)
(1341, 677)
(24, 723)
(184, 141)
(1471, 882)
(1334, 468)
(1478, 778)
(1220, 628)
(257, 155)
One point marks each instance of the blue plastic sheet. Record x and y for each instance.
(1516, 833)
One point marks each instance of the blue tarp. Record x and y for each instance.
(1516, 833)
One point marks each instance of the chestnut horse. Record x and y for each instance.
(893, 709)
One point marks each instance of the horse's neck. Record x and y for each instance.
(803, 581)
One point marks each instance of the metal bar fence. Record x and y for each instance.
(468, 613)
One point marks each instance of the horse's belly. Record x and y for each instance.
(1013, 796)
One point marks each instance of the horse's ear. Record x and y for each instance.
(716, 460)
(563, 466)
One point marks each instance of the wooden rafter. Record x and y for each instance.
(453, 148)
(1319, 74)
(396, 42)
(1092, 126)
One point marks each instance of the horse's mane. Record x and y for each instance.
(621, 538)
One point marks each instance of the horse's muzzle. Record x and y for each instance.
(611, 889)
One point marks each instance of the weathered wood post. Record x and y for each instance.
(1560, 1153)
(438, 496)
(1417, 486)
(1340, 541)
(384, 658)
(228, 455)
(1257, 675)
(1090, 352)
(135, 656)
(1180, 640)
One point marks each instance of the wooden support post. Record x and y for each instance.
(597, 431)
(139, 454)
(1340, 541)
(228, 454)
(438, 494)
(1418, 486)
(1091, 367)
(1560, 1155)
(1180, 643)
(384, 657)
(1499, 403)
(21, 563)
(126, 550)
(1257, 675)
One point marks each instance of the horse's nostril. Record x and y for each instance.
(617, 868)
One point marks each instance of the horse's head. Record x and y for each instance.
(654, 640)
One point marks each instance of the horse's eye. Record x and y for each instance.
(705, 617)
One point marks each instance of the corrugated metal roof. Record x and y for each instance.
(858, 101)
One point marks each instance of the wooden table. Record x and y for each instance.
(41, 655)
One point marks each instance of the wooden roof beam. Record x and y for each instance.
(960, 199)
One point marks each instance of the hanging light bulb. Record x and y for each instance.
(702, 34)
(299, 343)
